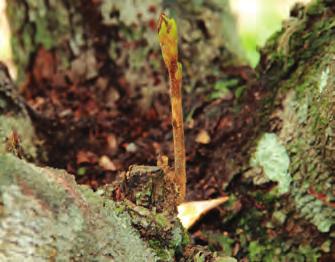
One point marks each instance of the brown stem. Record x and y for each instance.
(178, 128)
(168, 39)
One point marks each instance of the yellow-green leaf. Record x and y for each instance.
(168, 39)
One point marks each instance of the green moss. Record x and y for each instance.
(316, 7)
(223, 88)
(68, 221)
(177, 238)
(314, 210)
(279, 217)
(256, 251)
(175, 234)
(268, 198)
(250, 218)
(25, 131)
(307, 100)
(43, 35)
(37, 23)
(274, 252)
(199, 257)
(161, 220)
(162, 253)
(225, 243)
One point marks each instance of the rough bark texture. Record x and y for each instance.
(302, 57)
(17, 134)
(297, 66)
(291, 104)
(287, 185)
(46, 216)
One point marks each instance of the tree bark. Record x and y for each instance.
(17, 134)
(273, 145)
(46, 216)
(296, 67)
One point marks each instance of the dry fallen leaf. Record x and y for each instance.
(191, 212)
(112, 142)
(106, 163)
(84, 157)
(203, 137)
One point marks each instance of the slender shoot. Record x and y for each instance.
(168, 39)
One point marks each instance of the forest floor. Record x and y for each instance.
(94, 132)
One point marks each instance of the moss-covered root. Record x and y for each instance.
(45, 216)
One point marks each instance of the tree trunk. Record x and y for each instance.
(296, 149)
(17, 134)
(271, 138)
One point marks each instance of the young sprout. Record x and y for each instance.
(168, 39)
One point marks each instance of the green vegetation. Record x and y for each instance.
(258, 27)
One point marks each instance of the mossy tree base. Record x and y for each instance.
(46, 216)
(291, 103)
